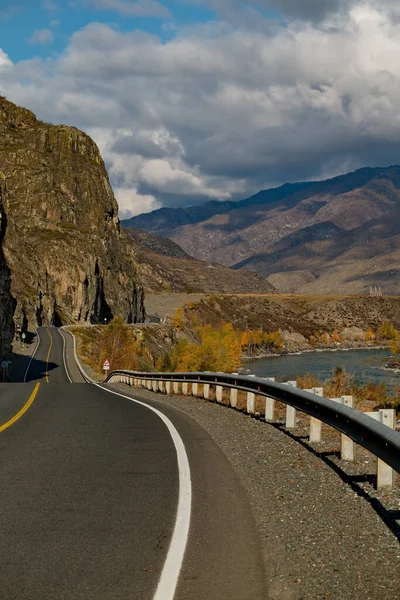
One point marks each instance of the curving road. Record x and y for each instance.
(94, 488)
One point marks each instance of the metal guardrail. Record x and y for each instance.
(372, 435)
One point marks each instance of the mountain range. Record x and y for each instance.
(338, 235)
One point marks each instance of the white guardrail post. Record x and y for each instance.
(218, 393)
(251, 401)
(290, 419)
(315, 424)
(269, 410)
(384, 473)
(233, 395)
(346, 444)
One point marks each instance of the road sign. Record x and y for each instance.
(4, 364)
(106, 365)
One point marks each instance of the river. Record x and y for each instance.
(366, 365)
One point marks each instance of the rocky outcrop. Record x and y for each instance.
(7, 302)
(67, 257)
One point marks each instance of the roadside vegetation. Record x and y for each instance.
(368, 395)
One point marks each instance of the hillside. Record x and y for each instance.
(322, 237)
(64, 258)
(299, 318)
(163, 266)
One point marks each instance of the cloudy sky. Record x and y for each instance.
(191, 100)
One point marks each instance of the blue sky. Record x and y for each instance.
(21, 20)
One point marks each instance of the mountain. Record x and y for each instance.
(163, 266)
(339, 235)
(64, 257)
(164, 221)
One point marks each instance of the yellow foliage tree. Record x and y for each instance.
(177, 320)
(118, 346)
(370, 335)
(387, 331)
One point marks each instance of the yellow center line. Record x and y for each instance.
(48, 356)
(23, 409)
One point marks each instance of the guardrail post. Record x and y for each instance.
(195, 389)
(290, 421)
(154, 385)
(269, 410)
(251, 401)
(206, 391)
(176, 387)
(385, 474)
(315, 424)
(149, 384)
(161, 386)
(185, 388)
(218, 393)
(346, 444)
(233, 397)
(167, 387)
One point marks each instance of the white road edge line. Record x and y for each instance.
(81, 369)
(64, 356)
(173, 564)
(33, 354)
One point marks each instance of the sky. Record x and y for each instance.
(197, 100)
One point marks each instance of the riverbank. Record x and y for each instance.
(339, 348)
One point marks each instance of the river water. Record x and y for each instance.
(366, 365)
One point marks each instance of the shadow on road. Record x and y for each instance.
(37, 369)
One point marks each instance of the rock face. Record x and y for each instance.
(65, 254)
(7, 302)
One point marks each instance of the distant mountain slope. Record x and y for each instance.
(340, 235)
(165, 220)
(164, 266)
(156, 244)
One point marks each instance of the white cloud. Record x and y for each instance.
(49, 5)
(222, 112)
(138, 8)
(42, 36)
(4, 60)
(131, 203)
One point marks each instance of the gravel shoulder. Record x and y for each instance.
(321, 534)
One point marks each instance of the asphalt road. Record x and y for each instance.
(90, 484)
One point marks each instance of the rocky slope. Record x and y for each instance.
(67, 258)
(163, 266)
(299, 317)
(322, 237)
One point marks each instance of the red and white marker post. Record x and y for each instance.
(106, 366)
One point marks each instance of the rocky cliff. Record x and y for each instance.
(65, 258)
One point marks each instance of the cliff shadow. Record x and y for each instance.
(26, 369)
